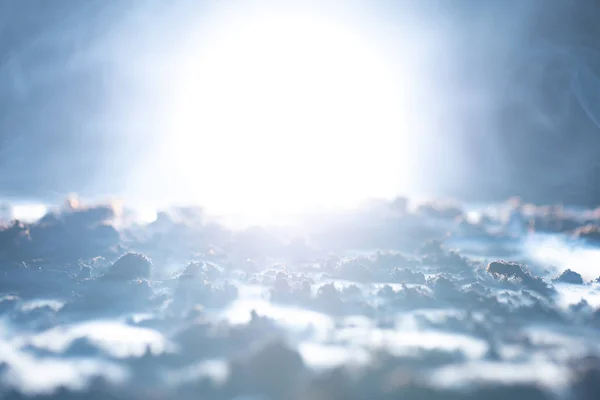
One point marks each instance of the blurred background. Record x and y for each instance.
(280, 106)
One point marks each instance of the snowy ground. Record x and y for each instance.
(380, 302)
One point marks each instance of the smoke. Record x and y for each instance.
(585, 83)
(506, 105)
(522, 102)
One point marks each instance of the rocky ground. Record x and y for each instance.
(391, 300)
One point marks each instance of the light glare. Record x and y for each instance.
(278, 113)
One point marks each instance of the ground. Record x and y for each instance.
(410, 304)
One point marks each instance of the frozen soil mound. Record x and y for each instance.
(568, 276)
(131, 266)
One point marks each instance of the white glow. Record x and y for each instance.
(28, 212)
(558, 254)
(115, 338)
(274, 112)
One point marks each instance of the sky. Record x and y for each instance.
(280, 106)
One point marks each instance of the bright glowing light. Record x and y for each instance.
(28, 212)
(275, 112)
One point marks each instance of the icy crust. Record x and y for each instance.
(187, 308)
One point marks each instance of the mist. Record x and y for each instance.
(502, 95)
